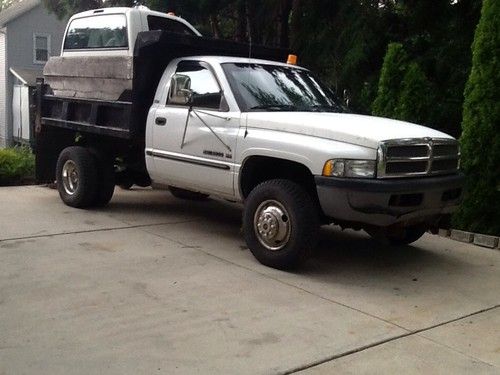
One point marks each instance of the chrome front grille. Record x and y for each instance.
(418, 157)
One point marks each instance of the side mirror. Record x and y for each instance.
(180, 90)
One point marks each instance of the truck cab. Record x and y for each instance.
(113, 31)
(97, 54)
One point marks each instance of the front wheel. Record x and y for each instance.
(280, 224)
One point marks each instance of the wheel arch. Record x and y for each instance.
(258, 168)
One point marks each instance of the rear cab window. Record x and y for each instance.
(106, 31)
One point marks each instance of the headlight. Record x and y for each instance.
(350, 168)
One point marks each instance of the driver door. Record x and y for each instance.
(194, 134)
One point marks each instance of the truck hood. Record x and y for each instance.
(360, 130)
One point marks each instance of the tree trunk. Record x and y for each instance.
(214, 23)
(241, 21)
(295, 23)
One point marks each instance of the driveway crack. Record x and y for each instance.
(381, 342)
(93, 231)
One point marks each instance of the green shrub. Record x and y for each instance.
(480, 140)
(17, 165)
(416, 98)
(404, 92)
(391, 76)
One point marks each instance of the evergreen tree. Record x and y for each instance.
(344, 42)
(481, 128)
(391, 76)
(416, 98)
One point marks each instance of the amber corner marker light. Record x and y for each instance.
(327, 169)
(333, 168)
(292, 60)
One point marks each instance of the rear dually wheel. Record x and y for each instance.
(76, 177)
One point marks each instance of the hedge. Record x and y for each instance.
(17, 166)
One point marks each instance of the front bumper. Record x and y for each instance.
(378, 202)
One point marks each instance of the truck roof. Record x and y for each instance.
(138, 9)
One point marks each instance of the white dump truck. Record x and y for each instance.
(202, 118)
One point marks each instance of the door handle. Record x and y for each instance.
(161, 121)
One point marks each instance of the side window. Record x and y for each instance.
(104, 31)
(41, 48)
(167, 24)
(193, 82)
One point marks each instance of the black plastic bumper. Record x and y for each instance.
(388, 202)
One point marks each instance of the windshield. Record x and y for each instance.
(261, 87)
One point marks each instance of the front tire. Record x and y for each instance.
(76, 177)
(280, 224)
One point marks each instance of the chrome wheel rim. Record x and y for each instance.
(272, 225)
(70, 177)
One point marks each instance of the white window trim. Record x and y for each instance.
(49, 50)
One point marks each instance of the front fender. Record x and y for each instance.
(310, 151)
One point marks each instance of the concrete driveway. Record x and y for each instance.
(152, 284)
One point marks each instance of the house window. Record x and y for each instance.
(41, 48)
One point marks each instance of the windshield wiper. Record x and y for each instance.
(275, 107)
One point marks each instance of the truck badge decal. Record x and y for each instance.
(213, 153)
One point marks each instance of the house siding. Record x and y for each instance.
(19, 51)
(3, 84)
(21, 31)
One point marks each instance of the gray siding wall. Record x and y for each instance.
(3, 84)
(21, 31)
(20, 47)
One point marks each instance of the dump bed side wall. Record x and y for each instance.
(90, 77)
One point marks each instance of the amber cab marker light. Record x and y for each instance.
(292, 60)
